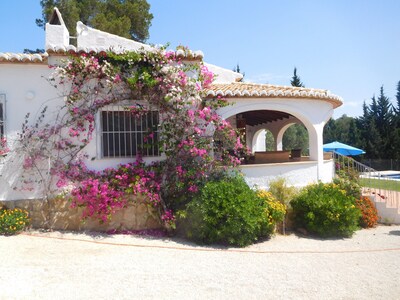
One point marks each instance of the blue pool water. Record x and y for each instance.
(394, 176)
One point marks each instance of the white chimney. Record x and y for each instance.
(57, 33)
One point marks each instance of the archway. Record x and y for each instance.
(311, 114)
(295, 136)
(263, 140)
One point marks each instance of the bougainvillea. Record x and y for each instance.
(196, 142)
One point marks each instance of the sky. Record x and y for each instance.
(350, 47)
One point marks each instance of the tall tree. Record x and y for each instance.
(373, 109)
(296, 79)
(354, 136)
(384, 122)
(372, 141)
(384, 113)
(126, 18)
(397, 109)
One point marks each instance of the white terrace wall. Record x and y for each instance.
(298, 174)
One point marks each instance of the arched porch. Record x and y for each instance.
(252, 115)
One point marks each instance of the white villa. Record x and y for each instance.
(256, 108)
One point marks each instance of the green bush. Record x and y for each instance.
(13, 221)
(326, 210)
(227, 211)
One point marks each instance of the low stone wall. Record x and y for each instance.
(57, 214)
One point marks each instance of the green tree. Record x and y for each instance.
(384, 123)
(397, 108)
(269, 141)
(370, 136)
(296, 137)
(296, 79)
(346, 131)
(330, 131)
(372, 141)
(384, 113)
(126, 18)
(354, 136)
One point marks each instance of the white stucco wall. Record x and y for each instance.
(297, 174)
(26, 91)
(92, 38)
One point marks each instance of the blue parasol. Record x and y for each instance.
(342, 149)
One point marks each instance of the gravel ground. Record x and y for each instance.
(61, 265)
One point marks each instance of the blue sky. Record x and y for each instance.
(349, 47)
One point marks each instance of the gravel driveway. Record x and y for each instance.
(60, 265)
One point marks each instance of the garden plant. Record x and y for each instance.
(227, 211)
(326, 210)
(13, 221)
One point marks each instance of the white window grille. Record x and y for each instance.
(126, 135)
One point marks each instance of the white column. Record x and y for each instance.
(315, 143)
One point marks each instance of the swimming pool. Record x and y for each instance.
(393, 176)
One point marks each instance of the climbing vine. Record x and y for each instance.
(198, 145)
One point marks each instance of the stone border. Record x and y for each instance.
(57, 214)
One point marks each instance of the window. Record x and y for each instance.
(2, 115)
(126, 135)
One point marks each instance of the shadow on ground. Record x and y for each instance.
(394, 232)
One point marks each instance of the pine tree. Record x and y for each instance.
(372, 141)
(296, 79)
(354, 136)
(397, 109)
(384, 122)
(395, 133)
(373, 109)
(384, 113)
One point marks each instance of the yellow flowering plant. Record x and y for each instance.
(275, 211)
(13, 221)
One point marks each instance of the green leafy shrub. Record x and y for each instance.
(326, 210)
(226, 211)
(369, 214)
(13, 221)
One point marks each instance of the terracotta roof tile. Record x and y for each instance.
(254, 90)
(23, 58)
(61, 50)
